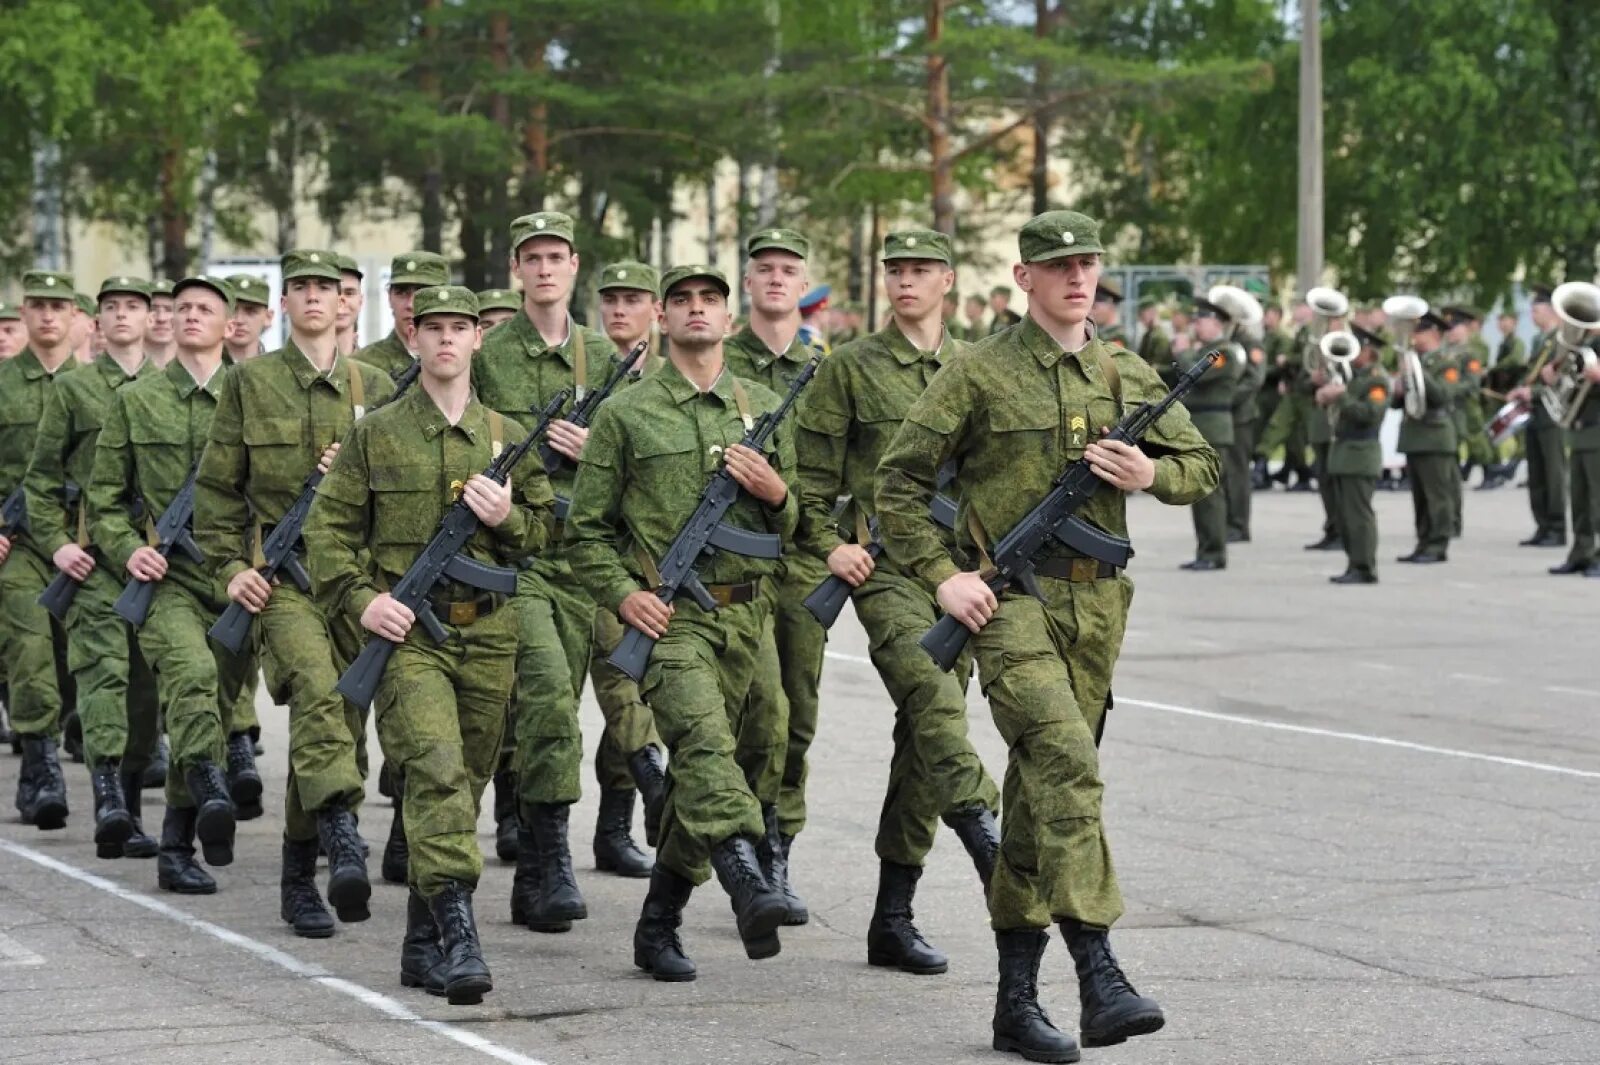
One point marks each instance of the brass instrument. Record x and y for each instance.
(1326, 304)
(1339, 350)
(1244, 318)
(1577, 304)
(1403, 313)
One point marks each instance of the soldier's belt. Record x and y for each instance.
(460, 612)
(734, 594)
(1079, 570)
(1362, 434)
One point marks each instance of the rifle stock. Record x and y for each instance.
(172, 533)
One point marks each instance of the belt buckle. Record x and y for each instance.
(722, 594)
(463, 613)
(1085, 569)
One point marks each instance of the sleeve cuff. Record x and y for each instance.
(938, 571)
(360, 599)
(617, 592)
(1161, 487)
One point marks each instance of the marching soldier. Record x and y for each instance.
(13, 334)
(641, 476)
(408, 273)
(1509, 366)
(1583, 437)
(1547, 453)
(1210, 407)
(1355, 457)
(1463, 346)
(1154, 347)
(1276, 346)
(1000, 303)
(1011, 411)
(85, 329)
(160, 341)
(974, 307)
(251, 318)
(440, 708)
(497, 306)
(853, 408)
(1108, 313)
(1237, 456)
(352, 298)
(1429, 444)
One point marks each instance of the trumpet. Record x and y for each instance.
(1326, 304)
(1577, 304)
(1404, 312)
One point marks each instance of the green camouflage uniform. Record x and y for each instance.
(276, 414)
(853, 408)
(1430, 446)
(1476, 367)
(116, 691)
(389, 355)
(650, 452)
(440, 708)
(1012, 410)
(1210, 406)
(1156, 350)
(1355, 461)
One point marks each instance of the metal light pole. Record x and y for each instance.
(1309, 261)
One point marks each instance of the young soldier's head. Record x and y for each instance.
(1540, 310)
(1507, 321)
(1371, 347)
(975, 308)
(496, 305)
(694, 307)
(408, 274)
(252, 314)
(201, 309)
(13, 334)
(311, 299)
(1060, 267)
(1429, 334)
(918, 273)
(351, 296)
(1107, 301)
(49, 306)
(158, 330)
(628, 302)
(1463, 323)
(1149, 311)
(447, 331)
(544, 257)
(85, 330)
(775, 273)
(1000, 299)
(1271, 315)
(124, 313)
(1210, 321)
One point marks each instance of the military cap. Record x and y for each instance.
(124, 285)
(1540, 293)
(248, 288)
(1108, 290)
(1461, 312)
(683, 273)
(542, 224)
(161, 287)
(1146, 302)
(918, 244)
(48, 285)
(85, 302)
(1432, 319)
(778, 239)
(446, 299)
(219, 285)
(347, 265)
(499, 299)
(1204, 308)
(1055, 234)
(635, 275)
(1368, 338)
(1001, 290)
(817, 299)
(424, 269)
(307, 262)
(9, 312)
(1256, 287)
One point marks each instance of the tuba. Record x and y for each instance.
(1244, 317)
(1577, 304)
(1326, 304)
(1339, 351)
(1403, 313)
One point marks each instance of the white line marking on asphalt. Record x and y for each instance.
(1332, 734)
(14, 953)
(1381, 667)
(1559, 690)
(375, 1000)
(1477, 678)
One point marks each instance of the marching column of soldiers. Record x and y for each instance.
(185, 511)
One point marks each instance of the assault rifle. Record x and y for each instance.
(440, 559)
(58, 594)
(14, 514)
(827, 599)
(705, 532)
(1055, 519)
(582, 414)
(172, 531)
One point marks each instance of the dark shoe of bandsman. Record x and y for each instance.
(1351, 576)
(299, 903)
(893, 940)
(1021, 1025)
(1113, 1010)
(656, 946)
(614, 848)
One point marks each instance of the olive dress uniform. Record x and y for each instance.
(1210, 407)
(1584, 439)
(1237, 456)
(1430, 446)
(1547, 461)
(1355, 460)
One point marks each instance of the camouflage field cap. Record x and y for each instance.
(446, 299)
(248, 288)
(9, 312)
(1055, 234)
(918, 244)
(1108, 289)
(542, 224)
(307, 262)
(124, 285)
(161, 287)
(499, 299)
(680, 274)
(1146, 302)
(48, 285)
(85, 303)
(634, 275)
(424, 269)
(219, 285)
(790, 240)
(348, 265)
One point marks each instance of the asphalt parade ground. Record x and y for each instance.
(1353, 824)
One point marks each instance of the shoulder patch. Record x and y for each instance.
(1474, 366)
(1377, 393)
(1451, 374)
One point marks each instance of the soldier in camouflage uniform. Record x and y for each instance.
(1107, 314)
(154, 432)
(251, 318)
(27, 643)
(160, 339)
(1210, 406)
(641, 476)
(352, 298)
(13, 334)
(408, 274)
(853, 408)
(278, 417)
(1011, 411)
(1430, 444)
(116, 691)
(440, 707)
(497, 306)
(1355, 458)
(777, 732)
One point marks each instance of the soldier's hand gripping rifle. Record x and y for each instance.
(705, 532)
(280, 548)
(14, 514)
(442, 559)
(58, 594)
(1055, 518)
(172, 532)
(582, 414)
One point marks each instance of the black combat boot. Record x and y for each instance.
(421, 957)
(465, 976)
(614, 848)
(772, 851)
(113, 825)
(759, 909)
(1112, 1009)
(348, 887)
(396, 854)
(525, 884)
(656, 947)
(298, 902)
(505, 815)
(47, 809)
(244, 780)
(558, 903)
(214, 811)
(27, 783)
(1020, 1024)
(176, 869)
(155, 774)
(139, 844)
(892, 938)
(975, 827)
(649, 771)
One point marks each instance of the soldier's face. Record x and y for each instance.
(123, 318)
(975, 310)
(999, 301)
(1105, 312)
(916, 287)
(158, 329)
(312, 304)
(445, 343)
(1207, 328)
(1060, 291)
(13, 337)
(249, 321)
(548, 267)
(200, 319)
(1544, 316)
(694, 314)
(775, 280)
(1426, 340)
(351, 300)
(489, 319)
(401, 299)
(47, 320)
(627, 313)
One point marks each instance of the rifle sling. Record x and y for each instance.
(580, 363)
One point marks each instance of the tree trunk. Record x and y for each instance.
(174, 219)
(499, 235)
(854, 276)
(536, 138)
(433, 176)
(871, 324)
(1044, 20)
(741, 234)
(941, 164)
(711, 217)
(470, 231)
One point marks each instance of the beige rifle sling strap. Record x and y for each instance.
(580, 364)
(497, 434)
(742, 400)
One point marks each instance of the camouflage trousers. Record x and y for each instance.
(302, 660)
(629, 726)
(1046, 670)
(696, 687)
(116, 689)
(556, 623)
(934, 770)
(441, 712)
(30, 643)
